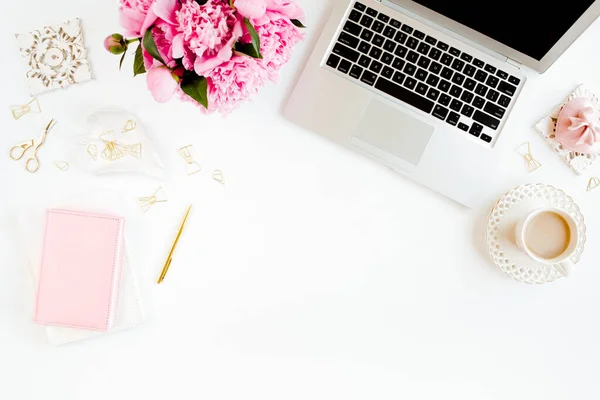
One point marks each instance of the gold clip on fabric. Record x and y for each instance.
(191, 166)
(32, 107)
(62, 165)
(217, 175)
(129, 126)
(134, 150)
(159, 196)
(593, 183)
(530, 163)
(92, 150)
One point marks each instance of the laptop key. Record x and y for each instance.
(412, 43)
(360, 6)
(356, 71)
(387, 58)
(430, 40)
(481, 76)
(470, 84)
(435, 67)
(458, 64)
(502, 74)
(463, 126)
(458, 78)
(490, 68)
(395, 23)
(440, 112)
(364, 47)
(419, 35)
(507, 88)
(456, 105)
(455, 91)
(467, 96)
(383, 17)
(432, 80)
(504, 101)
(372, 12)
(469, 70)
(398, 63)
(366, 35)
(514, 80)
(444, 86)
(412, 56)
(435, 54)
(467, 110)
(378, 40)
(478, 102)
(352, 28)
(375, 53)
(333, 61)
(376, 66)
(445, 99)
(349, 40)
(423, 48)
(453, 118)
(421, 74)
(366, 21)
(400, 37)
(442, 46)
(354, 16)
(409, 69)
(369, 78)
(486, 120)
(364, 61)
(475, 129)
(433, 94)
(346, 52)
(410, 82)
(389, 32)
(423, 62)
(389, 45)
(378, 26)
(446, 73)
(421, 88)
(447, 59)
(454, 51)
(478, 63)
(492, 81)
(404, 95)
(344, 66)
(466, 57)
(406, 28)
(398, 77)
(387, 72)
(400, 51)
(494, 110)
(492, 95)
(481, 89)
(485, 138)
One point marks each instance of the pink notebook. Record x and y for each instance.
(79, 275)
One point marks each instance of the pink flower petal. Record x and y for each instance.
(205, 64)
(251, 8)
(131, 21)
(162, 84)
(178, 50)
(165, 10)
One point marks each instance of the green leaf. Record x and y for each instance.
(150, 46)
(251, 49)
(122, 59)
(297, 23)
(138, 62)
(196, 87)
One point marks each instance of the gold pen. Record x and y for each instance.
(165, 269)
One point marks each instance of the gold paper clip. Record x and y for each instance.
(530, 163)
(160, 196)
(62, 165)
(191, 167)
(92, 150)
(217, 175)
(129, 126)
(113, 151)
(593, 183)
(19, 111)
(134, 150)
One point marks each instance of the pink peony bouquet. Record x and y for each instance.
(215, 53)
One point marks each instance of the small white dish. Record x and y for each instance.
(505, 216)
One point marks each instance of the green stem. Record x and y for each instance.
(129, 41)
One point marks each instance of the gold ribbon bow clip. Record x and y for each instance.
(115, 150)
(191, 166)
(32, 107)
(159, 196)
(530, 162)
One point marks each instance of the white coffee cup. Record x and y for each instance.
(549, 236)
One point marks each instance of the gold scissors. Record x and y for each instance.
(17, 152)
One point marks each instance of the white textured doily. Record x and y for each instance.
(501, 230)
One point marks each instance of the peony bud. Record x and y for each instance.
(115, 43)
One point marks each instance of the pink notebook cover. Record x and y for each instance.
(80, 270)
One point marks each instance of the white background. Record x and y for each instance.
(313, 274)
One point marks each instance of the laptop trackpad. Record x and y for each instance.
(392, 135)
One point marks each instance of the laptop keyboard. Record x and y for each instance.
(423, 71)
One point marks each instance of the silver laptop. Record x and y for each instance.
(425, 87)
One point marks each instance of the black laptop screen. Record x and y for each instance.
(531, 27)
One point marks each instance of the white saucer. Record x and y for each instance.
(501, 231)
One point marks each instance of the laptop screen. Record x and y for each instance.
(532, 28)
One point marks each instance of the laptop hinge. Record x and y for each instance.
(514, 63)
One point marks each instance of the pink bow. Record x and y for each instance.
(588, 119)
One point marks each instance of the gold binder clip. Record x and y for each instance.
(92, 150)
(191, 167)
(134, 150)
(113, 151)
(32, 107)
(62, 165)
(129, 126)
(593, 183)
(217, 175)
(530, 163)
(160, 196)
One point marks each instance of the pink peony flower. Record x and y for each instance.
(277, 40)
(251, 8)
(162, 84)
(137, 16)
(287, 8)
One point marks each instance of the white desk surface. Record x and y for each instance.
(314, 274)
